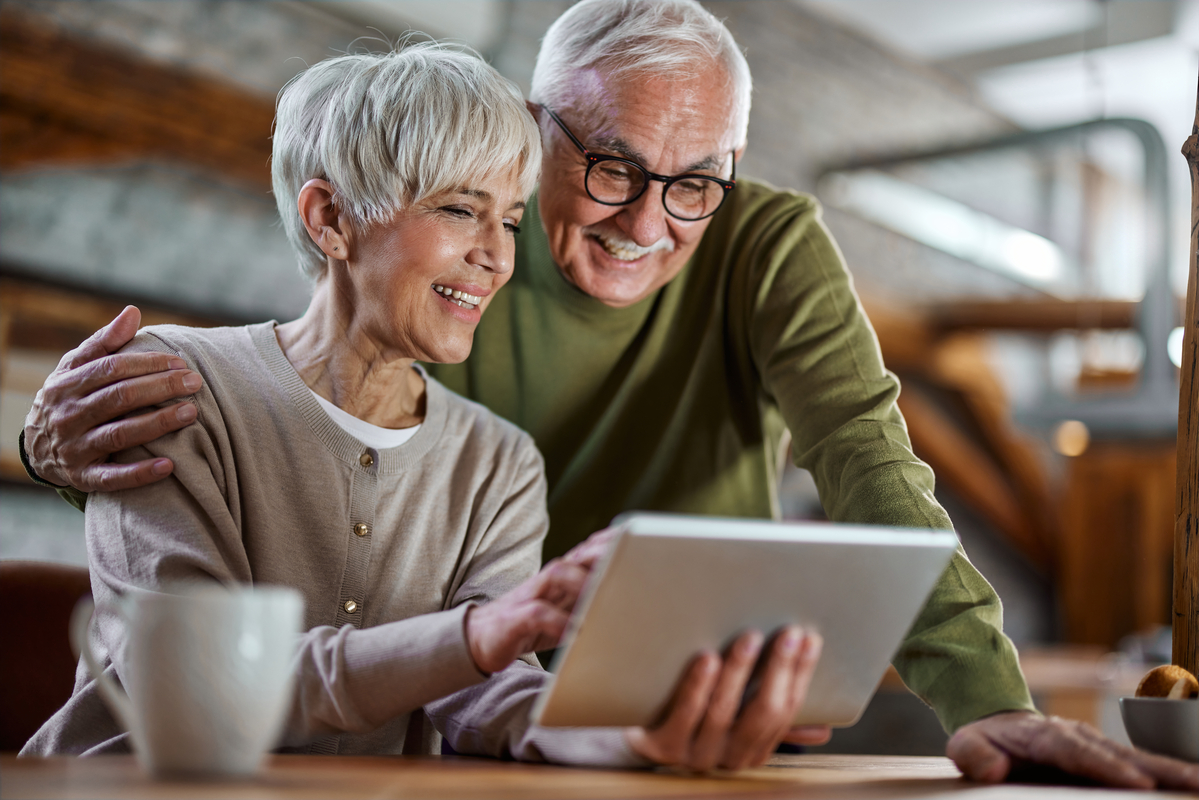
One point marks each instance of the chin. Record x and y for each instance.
(616, 290)
(448, 352)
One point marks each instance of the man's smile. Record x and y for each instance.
(623, 249)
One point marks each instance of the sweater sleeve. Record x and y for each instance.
(818, 359)
(187, 528)
(492, 718)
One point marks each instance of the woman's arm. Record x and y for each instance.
(190, 527)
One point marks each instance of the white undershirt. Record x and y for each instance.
(370, 435)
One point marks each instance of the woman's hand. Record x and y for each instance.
(75, 423)
(531, 617)
(708, 727)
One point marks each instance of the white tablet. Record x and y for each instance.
(672, 585)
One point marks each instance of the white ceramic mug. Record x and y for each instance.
(207, 671)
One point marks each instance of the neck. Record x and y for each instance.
(336, 356)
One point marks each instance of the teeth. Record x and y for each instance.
(458, 297)
(628, 251)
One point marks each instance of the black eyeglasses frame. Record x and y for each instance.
(666, 180)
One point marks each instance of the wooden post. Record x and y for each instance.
(1186, 521)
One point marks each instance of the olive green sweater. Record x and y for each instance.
(680, 403)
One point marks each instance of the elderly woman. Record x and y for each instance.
(325, 459)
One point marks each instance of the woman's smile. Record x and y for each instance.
(465, 297)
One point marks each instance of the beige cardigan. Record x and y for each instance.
(268, 489)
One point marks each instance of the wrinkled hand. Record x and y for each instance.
(531, 617)
(707, 728)
(73, 426)
(988, 749)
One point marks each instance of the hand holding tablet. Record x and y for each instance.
(731, 712)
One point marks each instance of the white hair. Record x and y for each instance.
(389, 129)
(662, 38)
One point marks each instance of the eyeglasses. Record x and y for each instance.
(616, 181)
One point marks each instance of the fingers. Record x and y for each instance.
(74, 424)
(1168, 773)
(670, 741)
(560, 583)
(976, 756)
(83, 458)
(986, 750)
(710, 722)
(109, 339)
(502, 630)
(1081, 750)
(769, 713)
(810, 649)
(591, 550)
(114, 477)
(711, 741)
(157, 377)
(808, 734)
(133, 431)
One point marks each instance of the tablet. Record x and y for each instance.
(672, 585)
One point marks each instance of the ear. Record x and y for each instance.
(534, 109)
(740, 151)
(321, 219)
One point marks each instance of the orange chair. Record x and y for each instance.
(37, 668)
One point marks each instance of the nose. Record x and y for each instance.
(494, 249)
(645, 220)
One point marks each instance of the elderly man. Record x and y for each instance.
(665, 328)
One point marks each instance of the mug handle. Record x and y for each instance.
(113, 694)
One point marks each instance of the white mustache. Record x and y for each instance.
(621, 243)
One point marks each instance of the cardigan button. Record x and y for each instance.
(350, 606)
(362, 529)
(366, 459)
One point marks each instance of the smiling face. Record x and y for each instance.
(419, 284)
(622, 254)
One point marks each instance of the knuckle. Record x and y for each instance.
(107, 368)
(162, 421)
(119, 393)
(97, 480)
(115, 438)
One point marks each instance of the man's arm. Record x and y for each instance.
(816, 355)
(79, 418)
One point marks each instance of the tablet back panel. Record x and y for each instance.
(672, 585)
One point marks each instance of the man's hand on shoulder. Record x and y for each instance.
(75, 423)
(989, 749)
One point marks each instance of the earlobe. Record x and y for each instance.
(320, 217)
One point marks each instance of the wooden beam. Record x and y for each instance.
(1186, 518)
(1043, 316)
(68, 100)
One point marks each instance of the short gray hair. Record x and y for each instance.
(389, 129)
(662, 38)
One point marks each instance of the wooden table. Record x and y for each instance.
(807, 776)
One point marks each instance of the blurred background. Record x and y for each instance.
(1003, 177)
